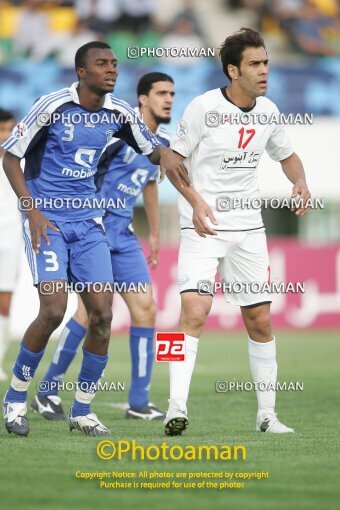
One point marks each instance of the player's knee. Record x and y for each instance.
(52, 315)
(259, 323)
(195, 316)
(148, 312)
(100, 320)
(143, 311)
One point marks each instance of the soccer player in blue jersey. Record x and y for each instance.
(123, 175)
(63, 240)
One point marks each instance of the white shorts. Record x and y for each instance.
(11, 244)
(241, 257)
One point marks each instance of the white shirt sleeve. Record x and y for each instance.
(278, 146)
(190, 129)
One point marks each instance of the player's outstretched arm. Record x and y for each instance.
(171, 163)
(37, 221)
(293, 169)
(201, 210)
(150, 197)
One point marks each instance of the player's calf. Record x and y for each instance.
(263, 367)
(143, 310)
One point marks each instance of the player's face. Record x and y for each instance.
(253, 72)
(6, 128)
(100, 71)
(159, 101)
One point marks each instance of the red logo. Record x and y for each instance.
(170, 346)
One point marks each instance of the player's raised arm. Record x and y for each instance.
(136, 134)
(293, 169)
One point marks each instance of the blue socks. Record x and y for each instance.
(142, 354)
(69, 340)
(23, 371)
(91, 371)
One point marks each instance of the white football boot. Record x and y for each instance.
(176, 419)
(269, 423)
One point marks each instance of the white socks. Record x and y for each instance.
(4, 337)
(262, 357)
(181, 371)
(263, 367)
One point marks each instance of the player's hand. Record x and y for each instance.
(301, 193)
(153, 258)
(172, 165)
(38, 224)
(201, 211)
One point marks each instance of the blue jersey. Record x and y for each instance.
(122, 175)
(62, 142)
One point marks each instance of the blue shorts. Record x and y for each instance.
(78, 253)
(127, 258)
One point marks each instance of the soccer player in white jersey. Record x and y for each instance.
(222, 158)
(10, 242)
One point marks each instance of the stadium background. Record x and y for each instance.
(37, 45)
(303, 42)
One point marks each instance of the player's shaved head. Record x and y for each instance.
(232, 48)
(80, 58)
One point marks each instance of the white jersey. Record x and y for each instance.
(9, 212)
(222, 157)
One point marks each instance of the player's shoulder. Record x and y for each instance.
(266, 104)
(49, 101)
(113, 102)
(207, 101)
(208, 97)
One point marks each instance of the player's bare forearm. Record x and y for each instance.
(155, 156)
(293, 169)
(171, 163)
(201, 209)
(150, 196)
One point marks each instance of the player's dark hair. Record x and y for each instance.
(147, 80)
(80, 58)
(5, 115)
(232, 48)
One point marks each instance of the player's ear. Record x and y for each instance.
(233, 71)
(80, 72)
(143, 99)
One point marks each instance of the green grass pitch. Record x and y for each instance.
(38, 471)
